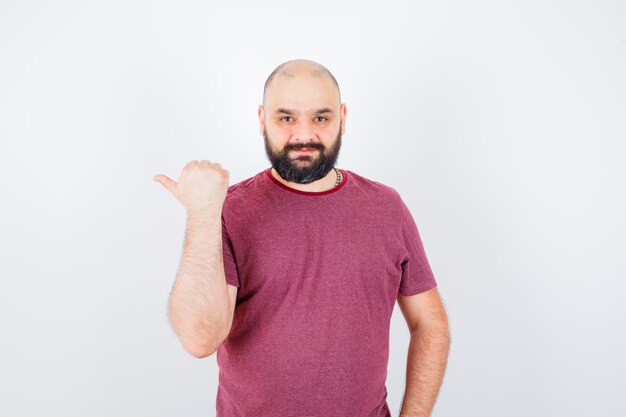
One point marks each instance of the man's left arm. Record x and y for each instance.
(428, 351)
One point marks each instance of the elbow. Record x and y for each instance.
(434, 328)
(199, 342)
(199, 350)
(201, 354)
(202, 349)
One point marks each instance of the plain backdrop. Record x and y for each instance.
(500, 123)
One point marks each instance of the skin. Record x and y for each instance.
(302, 90)
(428, 351)
(201, 304)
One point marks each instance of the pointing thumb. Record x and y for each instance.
(166, 182)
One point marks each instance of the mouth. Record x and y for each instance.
(305, 150)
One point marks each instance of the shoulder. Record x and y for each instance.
(241, 185)
(244, 187)
(243, 194)
(375, 189)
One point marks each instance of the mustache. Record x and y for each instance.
(298, 146)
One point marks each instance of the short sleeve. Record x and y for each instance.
(417, 275)
(230, 266)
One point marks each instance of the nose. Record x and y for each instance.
(304, 131)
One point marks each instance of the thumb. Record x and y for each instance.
(166, 182)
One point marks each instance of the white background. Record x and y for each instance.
(501, 124)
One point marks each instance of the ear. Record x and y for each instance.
(343, 111)
(261, 114)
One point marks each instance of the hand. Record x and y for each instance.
(201, 188)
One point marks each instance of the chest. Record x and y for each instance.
(318, 251)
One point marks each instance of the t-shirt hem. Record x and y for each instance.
(232, 282)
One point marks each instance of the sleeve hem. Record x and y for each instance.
(418, 290)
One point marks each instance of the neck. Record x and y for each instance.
(323, 184)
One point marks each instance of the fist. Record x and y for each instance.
(201, 188)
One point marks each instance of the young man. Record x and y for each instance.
(292, 275)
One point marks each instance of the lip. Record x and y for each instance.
(306, 150)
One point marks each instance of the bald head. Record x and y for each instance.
(300, 67)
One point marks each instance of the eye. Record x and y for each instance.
(321, 117)
(286, 117)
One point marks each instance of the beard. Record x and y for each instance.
(304, 168)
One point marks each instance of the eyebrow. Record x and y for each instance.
(291, 112)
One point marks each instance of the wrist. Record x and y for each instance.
(204, 216)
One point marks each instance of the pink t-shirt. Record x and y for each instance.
(318, 276)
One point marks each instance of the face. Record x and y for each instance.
(302, 123)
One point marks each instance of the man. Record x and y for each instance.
(292, 275)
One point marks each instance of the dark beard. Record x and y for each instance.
(293, 170)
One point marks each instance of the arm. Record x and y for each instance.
(428, 351)
(199, 303)
(199, 307)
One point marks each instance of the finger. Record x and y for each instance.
(190, 163)
(166, 182)
(204, 162)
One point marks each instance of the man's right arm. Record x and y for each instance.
(199, 305)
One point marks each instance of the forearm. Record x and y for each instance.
(426, 364)
(198, 305)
